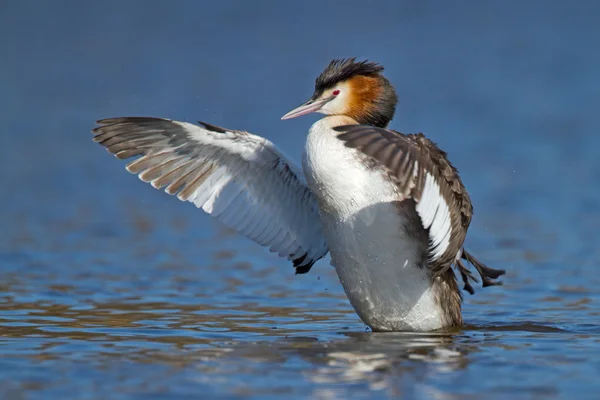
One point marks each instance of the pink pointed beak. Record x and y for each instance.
(307, 108)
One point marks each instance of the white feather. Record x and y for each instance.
(435, 215)
(248, 183)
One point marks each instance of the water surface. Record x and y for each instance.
(111, 289)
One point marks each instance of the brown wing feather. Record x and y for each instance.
(411, 158)
(452, 189)
(448, 172)
(408, 158)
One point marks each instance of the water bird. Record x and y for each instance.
(389, 207)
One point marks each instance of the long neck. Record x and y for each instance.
(378, 119)
(329, 122)
(373, 101)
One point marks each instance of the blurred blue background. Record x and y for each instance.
(108, 284)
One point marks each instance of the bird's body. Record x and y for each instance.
(389, 207)
(370, 235)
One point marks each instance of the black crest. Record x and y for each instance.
(343, 69)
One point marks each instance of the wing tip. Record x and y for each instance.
(103, 122)
(301, 267)
(213, 128)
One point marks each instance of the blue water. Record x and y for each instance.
(111, 289)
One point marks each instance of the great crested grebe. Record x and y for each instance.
(389, 206)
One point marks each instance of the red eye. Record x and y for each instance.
(336, 92)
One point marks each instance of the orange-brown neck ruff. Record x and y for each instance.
(372, 100)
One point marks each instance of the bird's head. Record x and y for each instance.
(355, 89)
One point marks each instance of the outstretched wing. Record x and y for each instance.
(411, 164)
(239, 178)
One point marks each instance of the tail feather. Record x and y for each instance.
(488, 275)
(466, 276)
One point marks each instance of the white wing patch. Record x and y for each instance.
(435, 215)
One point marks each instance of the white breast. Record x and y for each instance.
(373, 252)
